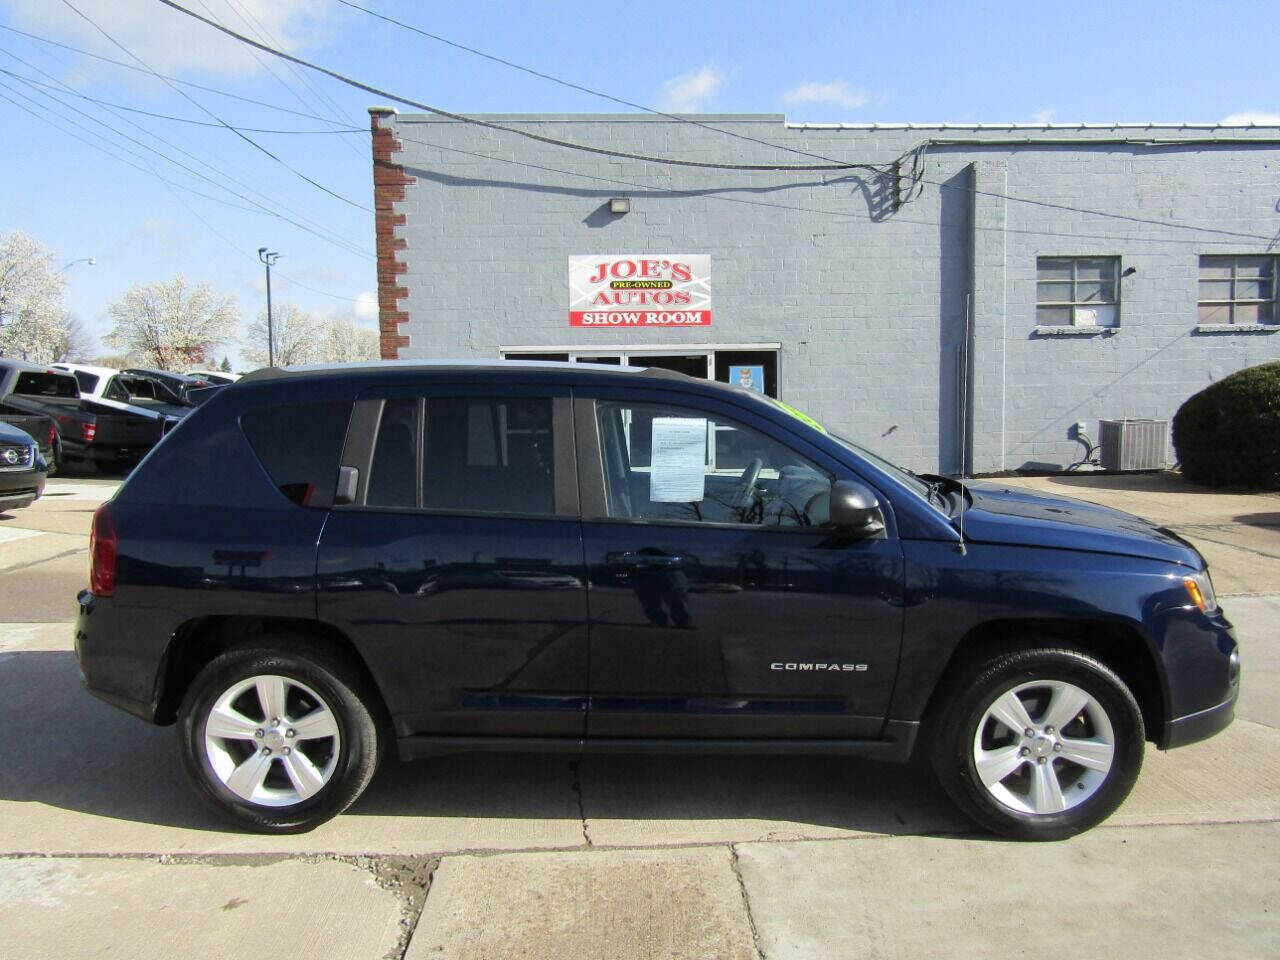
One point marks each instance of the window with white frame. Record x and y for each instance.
(1078, 291)
(1238, 290)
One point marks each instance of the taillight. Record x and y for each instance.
(88, 431)
(53, 437)
(102, 553)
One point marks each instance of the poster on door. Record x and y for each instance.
(640, 290)
(747, 377)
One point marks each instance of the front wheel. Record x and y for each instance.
(278, 739)
(1038, 744)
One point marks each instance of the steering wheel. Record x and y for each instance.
(746, 483)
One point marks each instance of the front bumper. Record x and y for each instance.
(1202, 725)
(20, 488)
(1202, 662)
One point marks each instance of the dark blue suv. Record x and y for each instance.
(454, 557)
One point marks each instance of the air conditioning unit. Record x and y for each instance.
(1133, 444)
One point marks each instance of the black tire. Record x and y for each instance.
(55, 457)
(341, 689)
(975, 687)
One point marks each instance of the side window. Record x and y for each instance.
(479, 455)
(674, 463)
(299, 444)
(489, 455)
(393, 476)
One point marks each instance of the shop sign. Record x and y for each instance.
(640, 290)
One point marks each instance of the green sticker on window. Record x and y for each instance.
(801, 416)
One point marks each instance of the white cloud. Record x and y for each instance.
(689, 92)
(838, 93)
(366, 307)
(1260, 117)
(169, 42)
(1043, 116)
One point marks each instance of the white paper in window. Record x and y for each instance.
(679, 456)
(1103, 315)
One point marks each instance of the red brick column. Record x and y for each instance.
(389, 182)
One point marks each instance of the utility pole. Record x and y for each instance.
(269, 257)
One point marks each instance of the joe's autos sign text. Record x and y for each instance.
(640, 290)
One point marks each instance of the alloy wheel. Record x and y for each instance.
(1043, 747)
(272, 741)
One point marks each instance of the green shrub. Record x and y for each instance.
(1229, 433)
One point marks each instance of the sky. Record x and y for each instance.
(89, 171)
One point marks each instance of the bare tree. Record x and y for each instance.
(295, 335)
(75, 343)
(30, 299)
(172, 327)
(342, 342)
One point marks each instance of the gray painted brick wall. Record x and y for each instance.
(869, 305)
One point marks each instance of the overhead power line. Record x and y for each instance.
(255, 206)
(250, 20)
(916, 153)
(704, 194)
(527, 134)
(136, 69)
(243, 136)
(917, 177)
(165, 116)
(598, 93)
(269, 204)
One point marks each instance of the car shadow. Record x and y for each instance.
(1259, 519)
(66, 749)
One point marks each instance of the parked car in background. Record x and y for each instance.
(215, 377)
(22, 469)
(178, 384)
(323, 563)
(128, 392)
(84, 433)
(41, 428)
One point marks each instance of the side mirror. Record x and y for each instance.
(855, 509)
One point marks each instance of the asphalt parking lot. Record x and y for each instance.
(104, 850)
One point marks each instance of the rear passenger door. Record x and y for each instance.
(458, 567)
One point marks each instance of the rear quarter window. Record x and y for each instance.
(299, 445)
(34, 384)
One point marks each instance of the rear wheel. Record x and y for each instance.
(1038, 744)
(277, 738)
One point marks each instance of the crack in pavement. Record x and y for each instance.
(407, 877)
(746, 900)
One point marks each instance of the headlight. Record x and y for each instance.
(1200, 589)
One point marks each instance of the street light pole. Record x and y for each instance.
(89, 260)
(269, 257)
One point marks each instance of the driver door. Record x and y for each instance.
(720, 603)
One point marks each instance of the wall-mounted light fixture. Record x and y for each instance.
(620, 205)
(1129, 272)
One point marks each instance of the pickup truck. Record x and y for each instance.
(117, 391)
(84, 433)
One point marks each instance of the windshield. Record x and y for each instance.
(905, 477)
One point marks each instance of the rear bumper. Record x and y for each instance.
(105, 673)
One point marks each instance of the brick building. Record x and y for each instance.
(960, 301)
